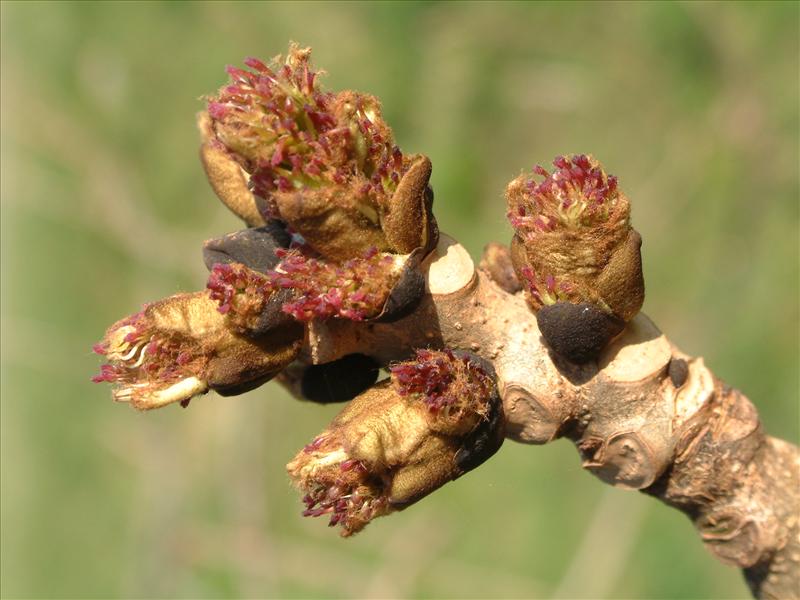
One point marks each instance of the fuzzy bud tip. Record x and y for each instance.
(576, 193)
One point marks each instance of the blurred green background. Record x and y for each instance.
(104, 207)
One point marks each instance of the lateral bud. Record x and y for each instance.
(324, 163)
(438, 417)
(180, 347)
(573, 245)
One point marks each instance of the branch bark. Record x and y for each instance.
(643, 416)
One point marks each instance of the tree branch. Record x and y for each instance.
(643, 416)
(333, 270)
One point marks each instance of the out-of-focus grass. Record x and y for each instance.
(104, 207)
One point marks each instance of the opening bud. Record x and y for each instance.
(453, 387)
(309, 288)
(573, 244)
(438, 417)
(326, 164)
(180, 347)
(577, 193)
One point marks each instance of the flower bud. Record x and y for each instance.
(438, 417)
(326, 164)
(181, 347)
(574, 244)
(573, 237)
(356, 290)
(308, 288)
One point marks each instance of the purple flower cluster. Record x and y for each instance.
(576, 193)
(446, 383)
(289, 134)
(356, 289)
(136, 354)
(546, 289)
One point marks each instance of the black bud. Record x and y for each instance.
(254, 247)
(577, 332)
(406, 293)
(404, 297)
(486, 439)
(678, 371)
(240, 388)
(482, 442)
(340, 380)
